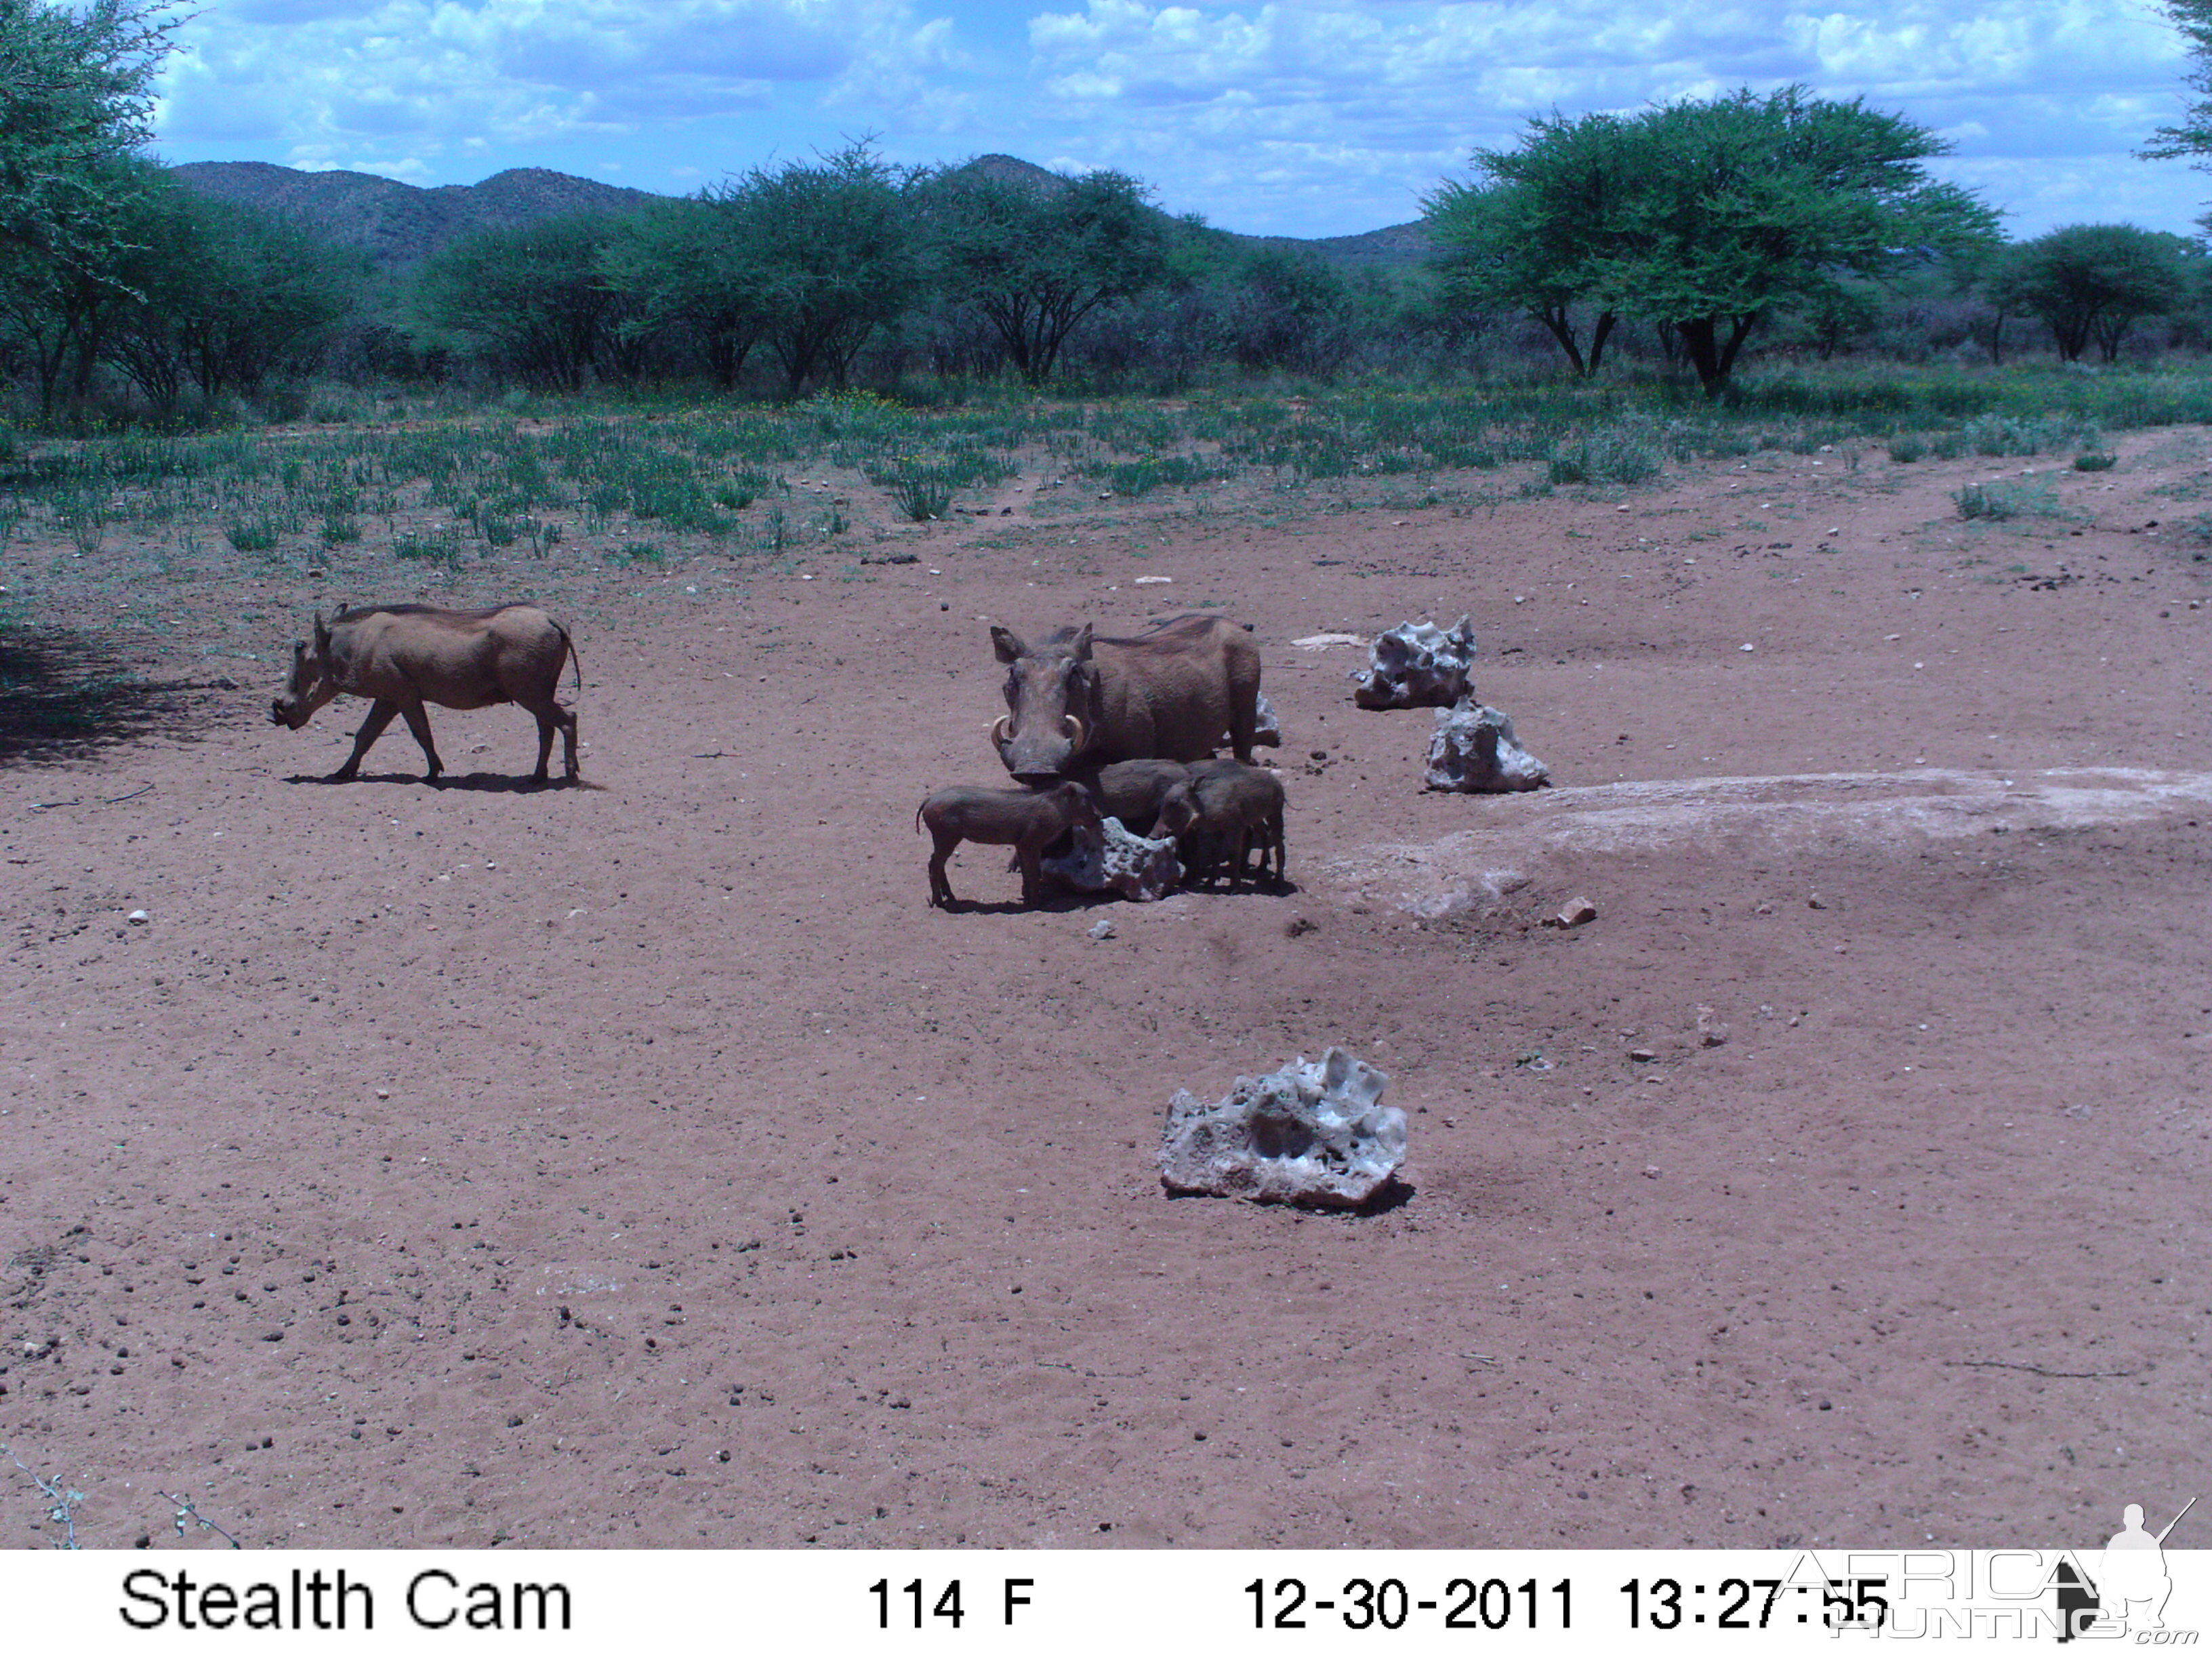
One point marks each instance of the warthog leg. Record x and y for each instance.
(419, 722)
(379, 716)
(553, 717)
(940, 884)
(1032, 873)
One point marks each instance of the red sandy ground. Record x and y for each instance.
(649, 1164)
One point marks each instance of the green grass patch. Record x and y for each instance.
(1617, 457)
(442, 547)
(254, 535)
(2007, 500)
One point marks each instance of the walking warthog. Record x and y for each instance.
(1170, 694)
(1026, 820)
(403, 656)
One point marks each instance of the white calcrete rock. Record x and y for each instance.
(1417, 665)
(1267, 729)
(1315, 1135)
(1132, 865)
(1473, 752)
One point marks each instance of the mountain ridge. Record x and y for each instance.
(400, 225)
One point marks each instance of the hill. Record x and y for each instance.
(400, 225)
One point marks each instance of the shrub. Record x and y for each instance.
(2094, 463)
(444, 547)
(1605, 457)
(2007, 500)
(257, 535)
(1907, 449)
(923, 496)
(743, 490)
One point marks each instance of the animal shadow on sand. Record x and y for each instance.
(64, 697)
(1067, 899)
(487, 783)
(1060, 901)
(1393, 1195)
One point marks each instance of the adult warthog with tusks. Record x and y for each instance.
(403, 656)
(1171, 694)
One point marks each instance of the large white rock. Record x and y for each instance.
(1315, 1135)
(1417, 665)
(1132, 865)
(1474, 753)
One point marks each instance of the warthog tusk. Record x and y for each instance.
(1070, 719)
(1002, 730)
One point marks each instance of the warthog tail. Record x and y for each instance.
(576, 661)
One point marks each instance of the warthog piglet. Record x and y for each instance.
(1026, 820)
(1227, 807)
(1133, 790)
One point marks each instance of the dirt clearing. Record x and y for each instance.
(649, 1164)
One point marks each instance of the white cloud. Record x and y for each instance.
(333, 78)
(1338, 114)
(1310, 117)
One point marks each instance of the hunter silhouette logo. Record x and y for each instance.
(2131, 1585)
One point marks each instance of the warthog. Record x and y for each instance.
(1026, 820)
(1133, 790)
(1227, 806)
(1170, 694)
(403, 656)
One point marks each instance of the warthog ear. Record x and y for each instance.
(1081, 644)
(322, 634)
(1007, 644)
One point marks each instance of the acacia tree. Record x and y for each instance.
(1711, 216)
(76, 94)
(2092, 283)
(695, 264)
(1035, 258)
(1288, 310)
(220, 296)
(75, 107)
(531, 301)
(1526, 234)
(834, 253)
(57, 314)
(2192, 136)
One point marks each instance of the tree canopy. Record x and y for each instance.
(531, 298)
(2092, 283)
(835, 255)
(695, 264)
(1706, 216)
(2192, 134)
(1532, 235)
(1035, 257)
(76, 94)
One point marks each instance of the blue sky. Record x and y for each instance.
(1302, 118)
